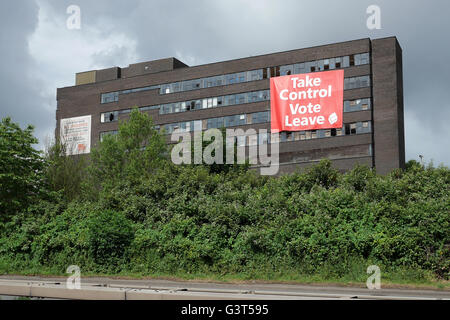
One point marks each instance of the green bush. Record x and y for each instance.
(173, 220)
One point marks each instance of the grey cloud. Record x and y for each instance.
(20, 94)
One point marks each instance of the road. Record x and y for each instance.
(152, 289)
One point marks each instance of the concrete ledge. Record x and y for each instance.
(101, 290)
(15, 289)
(87, 293)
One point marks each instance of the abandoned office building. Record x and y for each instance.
(236, 93)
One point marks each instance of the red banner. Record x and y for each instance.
(308, 101)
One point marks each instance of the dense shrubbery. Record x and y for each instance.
(186, 219)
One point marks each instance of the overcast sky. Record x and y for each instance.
(39, 53)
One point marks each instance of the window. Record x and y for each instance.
(347, 129)
(362, 58)
(363, 127)
(299, 68)
(125, 111)
(231, 78)
(231, 100)
(240, 98)
(332, 63)
(241, 141)
(260, 117)
(110, 97)
(197, 84)
(302, 135)
(320, 65)
(229, 121)
(176, 87)
(211, 123)
(289, 136)
(274, 71)
(186, 85)
(356, 82)
(357, 59)
(256, 75)
(263, 138)
(241, 77)
(352, 60)
(287, 70)
(242, 119)
(105, 133)
(109, 116)
(346, 62)
(146, 108)
(220, 122)
(357, 105)
(196, 125)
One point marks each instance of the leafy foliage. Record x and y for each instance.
(139, 213)
(64, 173)
(21, 168)
(132, 156)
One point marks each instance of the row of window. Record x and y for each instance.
(346, 130)
(265, 73)
(223, 101)
(114, 96)
(246, 76)
(324, 65)
(349, 105)
(265, 138)
(356, 82)
(220, 122)
(264, 117)
(112, 116)
(357, 105)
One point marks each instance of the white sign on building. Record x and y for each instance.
(76, 134)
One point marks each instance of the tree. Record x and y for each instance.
(130, 156)
(64, 173)
(323, 174)
(21, 168)
(218, 168)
